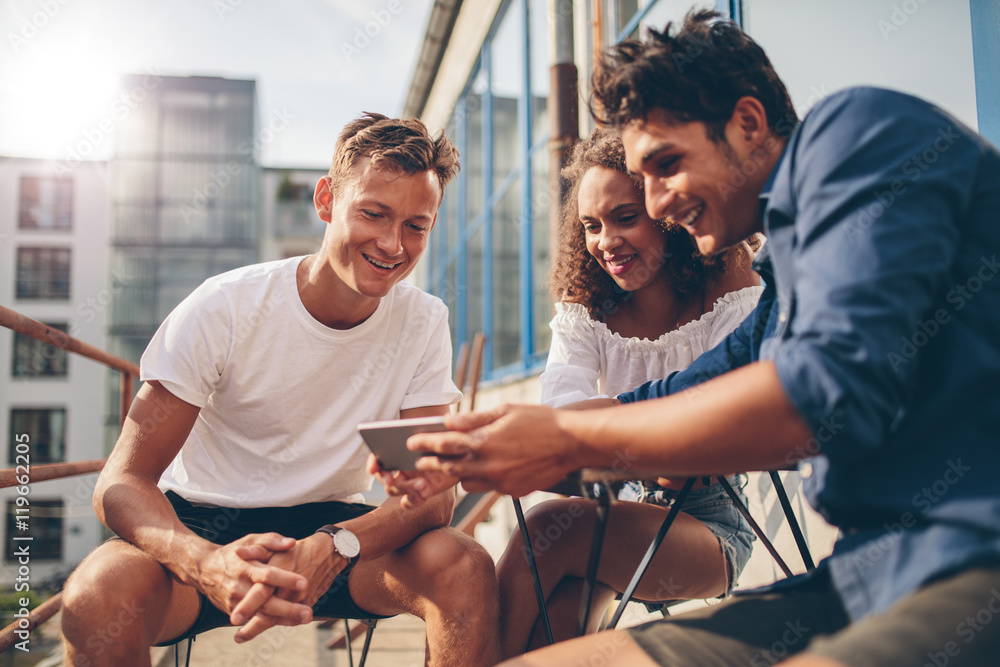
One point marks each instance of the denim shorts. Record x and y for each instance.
(713, 507)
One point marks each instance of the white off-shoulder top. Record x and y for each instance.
(587, 360)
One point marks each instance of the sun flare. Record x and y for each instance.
(54, 99)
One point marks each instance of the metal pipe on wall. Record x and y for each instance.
(564, 117)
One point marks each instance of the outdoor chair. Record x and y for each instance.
(578, 484)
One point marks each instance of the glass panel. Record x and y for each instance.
(46, 203)
(43, 273)
(507, 60)
(34, 358)
(42, 521)
(542, 302)
(474, 285)
(473, 163)
(538, 24)
(46, 430)
(616, 16)
(134, 180)
(506, 278)
(668, 10)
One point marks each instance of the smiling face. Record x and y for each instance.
(708, 187)
(378, 226)
(619, 234)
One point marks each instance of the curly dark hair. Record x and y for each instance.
(575, 274)
(696, 73)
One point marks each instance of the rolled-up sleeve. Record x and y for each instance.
(736, 350)
(875, 200)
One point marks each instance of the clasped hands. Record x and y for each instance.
(266, 579)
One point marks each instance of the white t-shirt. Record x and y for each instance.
(588, 360)
(281, 394)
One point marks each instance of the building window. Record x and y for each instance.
(42, 521)
(489, 257)
(46, 203)
(34, 358)
(46, 431)
(43, 273)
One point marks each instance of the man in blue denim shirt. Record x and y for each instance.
(873, 359)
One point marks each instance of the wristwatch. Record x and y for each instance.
(345, 543)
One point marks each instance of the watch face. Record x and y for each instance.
(347, 543)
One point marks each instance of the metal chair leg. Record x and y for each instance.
(651, 551)
(543, 611)
(347, 640)
(594, 559)
(187, 657)
(793, 524)
(753, 524)
(370, 622)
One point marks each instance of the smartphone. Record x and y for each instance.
(387, 439)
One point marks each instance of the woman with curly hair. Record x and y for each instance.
(635, 301)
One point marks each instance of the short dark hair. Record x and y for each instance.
(403, 145)
(696, 73)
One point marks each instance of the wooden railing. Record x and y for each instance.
(39, 473)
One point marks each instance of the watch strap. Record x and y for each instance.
(332, 530)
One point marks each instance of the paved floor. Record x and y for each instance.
(398, 642)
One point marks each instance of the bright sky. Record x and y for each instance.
(320, 62)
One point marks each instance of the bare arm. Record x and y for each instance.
(381, 531)
(127, 500)
(739, 421)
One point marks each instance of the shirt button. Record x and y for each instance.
(806, 469)
(782, 317)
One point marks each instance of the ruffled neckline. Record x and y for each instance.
(685, 332)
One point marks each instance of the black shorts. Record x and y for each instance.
(222, 525)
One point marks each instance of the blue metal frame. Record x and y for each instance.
(462, 210)
(731, 8)
(525, 246)
(985, 15)
(444, 255)
(487, 212)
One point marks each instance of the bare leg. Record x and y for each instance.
(445, 578)
(810, 661)
(689, 563)
(564, 611)
(118, 603)
(610, 649)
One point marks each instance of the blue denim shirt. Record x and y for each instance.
(881, 313)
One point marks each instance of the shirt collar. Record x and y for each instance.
(765, 194)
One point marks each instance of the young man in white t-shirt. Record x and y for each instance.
(239, 459)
